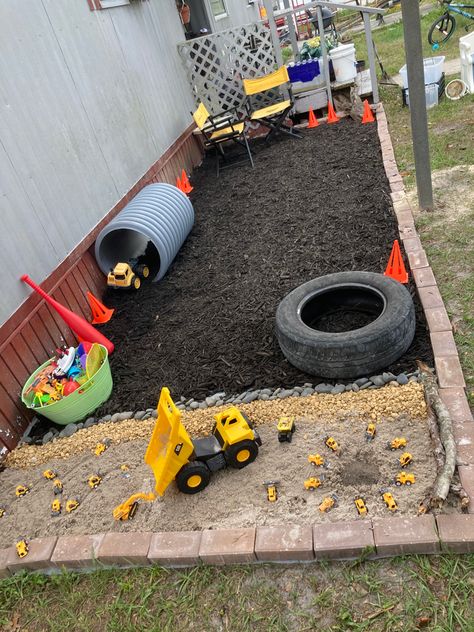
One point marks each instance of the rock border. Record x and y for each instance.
(364, 538)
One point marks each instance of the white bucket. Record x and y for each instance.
(344, 62)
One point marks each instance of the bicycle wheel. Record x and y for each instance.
(442, 29)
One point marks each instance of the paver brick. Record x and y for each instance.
(395, 185)
(397, 195)
(443, 343)
(405, 218)
(412, 244)
(285, 543)
(464, 436)
(227, 546)
(4, 572)
(77, 551)
(449, 371)
(430, 297)
(39, 555)
(124, 549)
(437, 319)
(424, 277)
(417, 259)
(397, 536)
(456, 402)
(407, 232)
(456, 532)
(175, 548)
(466, 475)
(342, 540)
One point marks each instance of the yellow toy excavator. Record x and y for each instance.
(173, 455)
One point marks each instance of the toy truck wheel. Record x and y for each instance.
(241, 454)
(397, 483)
(192, 478)
(408, 483)
(142, 270)
(281, 437)
(135, 283)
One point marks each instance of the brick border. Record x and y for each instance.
(332, 540)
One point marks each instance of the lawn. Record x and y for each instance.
(447, 233)
(402, 594)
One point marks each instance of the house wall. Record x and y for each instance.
(238, 12)
(89, 100)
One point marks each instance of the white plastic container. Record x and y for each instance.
(466, 52)
(344, 62)
(433, 68)
(431, 95)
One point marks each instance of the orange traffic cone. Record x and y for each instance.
(332, 116)
(396, 268)
(367, 117)
(100, 313)
(179, 184)
(312, 121)
(187, 188)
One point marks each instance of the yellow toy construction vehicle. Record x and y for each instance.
(22, 548)
(71, 505)
(403, 478)
(101, 447)
(56, 507)
(57, 486)
(389, 500)
(173, 455)
(49, 474)
(286, 427)
(405, 459)
(313, 483)
(126, 276)
(361, 506)
(370, 432)
(94, 481)
(21, 490)
(328, 503)
(316, 459)
(272, 492)
(332, 444)
(398, 442)
(2, 512)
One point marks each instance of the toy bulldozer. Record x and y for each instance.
(173, 455)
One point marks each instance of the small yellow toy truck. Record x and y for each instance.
(389, 500)
(370, 432)
(328, 503)
(286, 427)
(332, 444)
(126, 276)
(316, 459)
(360, 506)
(272, 492)
(313, 483)
(403, 478)
(398, 442)
(173, 455)
(405, 459)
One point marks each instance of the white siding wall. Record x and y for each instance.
(238, 12)
(88, 102)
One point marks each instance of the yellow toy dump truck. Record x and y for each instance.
(286, 427)
(173, 455)
(126, 276)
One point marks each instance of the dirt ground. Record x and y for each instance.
(234, 497)
(310, 207)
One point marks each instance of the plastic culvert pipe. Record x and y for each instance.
(155, 224)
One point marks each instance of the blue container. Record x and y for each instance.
(304, 71)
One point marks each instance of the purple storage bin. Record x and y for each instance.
(303, 71)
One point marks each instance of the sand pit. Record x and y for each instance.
(234, 497)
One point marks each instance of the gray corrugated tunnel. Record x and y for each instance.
(154, 225)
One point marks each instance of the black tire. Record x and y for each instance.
(135, 283)
(408, 483)
(442, 29)
(187, 477)
(346, 354)
(142, 270)
(281, 438)
(235, 453)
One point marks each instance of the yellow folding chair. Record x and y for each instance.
(220, 129)
(272, 116)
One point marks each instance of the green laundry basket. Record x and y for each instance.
(78, 404)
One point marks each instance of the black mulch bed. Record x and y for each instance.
(310, 207)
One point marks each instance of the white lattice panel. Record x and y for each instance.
(216, 63)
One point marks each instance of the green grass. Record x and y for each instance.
(447, 240)
(377, 596)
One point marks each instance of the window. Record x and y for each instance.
(97, 5)
(218, 8)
